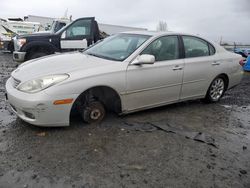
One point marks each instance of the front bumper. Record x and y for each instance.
(38, 109)
(19, 56)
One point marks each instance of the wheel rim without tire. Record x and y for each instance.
(217, 89)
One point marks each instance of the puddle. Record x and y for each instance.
(242, 114)
(227, 106)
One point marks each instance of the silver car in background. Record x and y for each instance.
(124, 73)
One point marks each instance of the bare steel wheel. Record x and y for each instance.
(94, 112)
(216, 90)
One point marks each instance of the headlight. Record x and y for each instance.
(20, 43)
(42, 83)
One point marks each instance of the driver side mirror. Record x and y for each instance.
(144, 59)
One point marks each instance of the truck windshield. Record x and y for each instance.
(56, 26)
(117, 47)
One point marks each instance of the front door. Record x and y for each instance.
(77, 35)
(159, 83)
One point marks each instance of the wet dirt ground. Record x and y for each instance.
(189, 144)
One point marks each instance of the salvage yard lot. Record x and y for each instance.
(189, 144)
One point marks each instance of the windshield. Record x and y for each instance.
(117, 47)
(56, 26)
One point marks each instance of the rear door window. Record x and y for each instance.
(195, 47)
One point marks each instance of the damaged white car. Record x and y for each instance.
(124, 73)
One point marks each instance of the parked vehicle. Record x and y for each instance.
(12, 27)
(76, 36)
(246, 65)
(124, 73)
(19, 26)
(5, 42)
(243, 52)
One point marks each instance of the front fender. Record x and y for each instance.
(41, 44)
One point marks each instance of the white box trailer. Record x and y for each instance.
(44, 21)
(113, 29)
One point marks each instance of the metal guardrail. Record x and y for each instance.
(232, 47)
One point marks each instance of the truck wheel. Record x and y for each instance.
(94, 112)
(216, 90)
(11, 47)
(36, 55)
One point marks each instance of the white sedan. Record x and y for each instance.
(124, 73)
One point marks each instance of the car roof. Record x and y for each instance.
(162, 33)
(155, 33)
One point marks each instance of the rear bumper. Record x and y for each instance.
(19, 56)
(235, 79)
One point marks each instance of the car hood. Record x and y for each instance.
(38, 34)
(57, 64)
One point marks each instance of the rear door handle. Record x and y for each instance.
(216, 63)
(177, 67)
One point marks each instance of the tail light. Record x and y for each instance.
(242, 62)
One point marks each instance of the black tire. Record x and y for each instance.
(216, 90)
(93, 112)
(36, 55)
(11, 47)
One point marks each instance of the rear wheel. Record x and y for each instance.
(93, 112)
(216, 90)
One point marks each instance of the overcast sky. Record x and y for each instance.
(229, 19)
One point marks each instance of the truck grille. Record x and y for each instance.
(15, 82)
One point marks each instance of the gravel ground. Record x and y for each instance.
(189, 144)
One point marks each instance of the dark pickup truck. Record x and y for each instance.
(76, 36)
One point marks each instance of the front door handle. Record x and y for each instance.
(177, 67)
(216, 63)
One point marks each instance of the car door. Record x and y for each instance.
(158, 83)
(200, 67)
(77, 35)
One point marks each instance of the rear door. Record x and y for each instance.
(201, 67)
(78, 35)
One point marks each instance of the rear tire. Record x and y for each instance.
(216, 90)
(93, 112)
